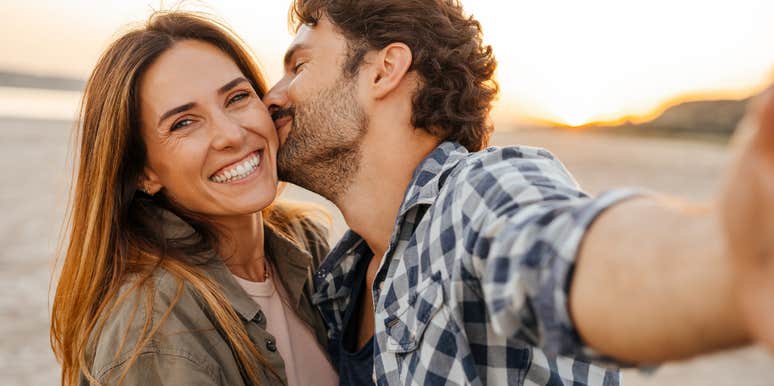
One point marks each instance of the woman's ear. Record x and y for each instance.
(149, 182)
(390, 64)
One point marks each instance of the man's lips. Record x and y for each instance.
(281, 122)
(283, 116)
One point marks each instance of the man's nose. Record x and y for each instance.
(277, 97)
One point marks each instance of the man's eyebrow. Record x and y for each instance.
(291, 51)
(228, 86)
(176, 110)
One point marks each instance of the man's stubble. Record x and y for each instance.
(323, 150)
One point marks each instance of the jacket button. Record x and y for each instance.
(259, 317)
(271, 345)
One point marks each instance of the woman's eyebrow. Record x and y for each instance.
(176, 110)
(228, 86)
(222, 90)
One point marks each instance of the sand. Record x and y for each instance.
(34, 171)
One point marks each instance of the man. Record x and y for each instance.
(471, 266)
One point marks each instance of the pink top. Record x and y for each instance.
(305, 363)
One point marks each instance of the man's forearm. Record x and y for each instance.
(652, 283)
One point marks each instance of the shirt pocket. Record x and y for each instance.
(406, 326)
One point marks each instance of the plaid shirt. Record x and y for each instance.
(474, 286)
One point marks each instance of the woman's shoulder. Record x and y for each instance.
(159, 313)
(307, 225)
(316, 238)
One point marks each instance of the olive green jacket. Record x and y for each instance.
(189, 349)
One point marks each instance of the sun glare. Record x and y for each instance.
(575, 120)
(566, 61)
(575, 62)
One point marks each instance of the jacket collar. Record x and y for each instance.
(288, 261)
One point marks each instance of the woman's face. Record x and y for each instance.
(210, 141)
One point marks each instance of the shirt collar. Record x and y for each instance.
(334, 277)
(429, 176)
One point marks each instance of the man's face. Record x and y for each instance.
(318, 114)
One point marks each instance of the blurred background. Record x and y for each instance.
(627, 93)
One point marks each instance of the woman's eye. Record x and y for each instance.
(238, 97)
(181, 124)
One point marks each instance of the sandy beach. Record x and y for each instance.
(34, 167)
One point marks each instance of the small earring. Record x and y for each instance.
(145, 190)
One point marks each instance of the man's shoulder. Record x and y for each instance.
(510, 168)
(514, 152)
(508, 156)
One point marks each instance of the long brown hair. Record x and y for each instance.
(457, 69)
(114, 229)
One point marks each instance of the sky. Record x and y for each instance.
(565, 61)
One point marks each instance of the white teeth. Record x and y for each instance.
(238, 172)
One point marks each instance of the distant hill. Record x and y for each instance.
(14, 79)
(712, 118)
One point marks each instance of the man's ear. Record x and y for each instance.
(391, 64)
(149, 182)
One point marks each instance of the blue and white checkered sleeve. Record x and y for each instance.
(527, 217)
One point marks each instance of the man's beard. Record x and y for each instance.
(322, 152)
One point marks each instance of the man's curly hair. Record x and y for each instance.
(457, 85)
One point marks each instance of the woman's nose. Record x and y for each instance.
(227, 132)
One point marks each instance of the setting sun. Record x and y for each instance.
(571, 113)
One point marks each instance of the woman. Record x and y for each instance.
(174, 244)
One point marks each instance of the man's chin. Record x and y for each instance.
(296, 173)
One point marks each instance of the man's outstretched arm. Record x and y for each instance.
(747, 208)
(658, 280)
(652, 282)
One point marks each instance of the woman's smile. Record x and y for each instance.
(239, 171)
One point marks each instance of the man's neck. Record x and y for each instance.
(371, 204)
